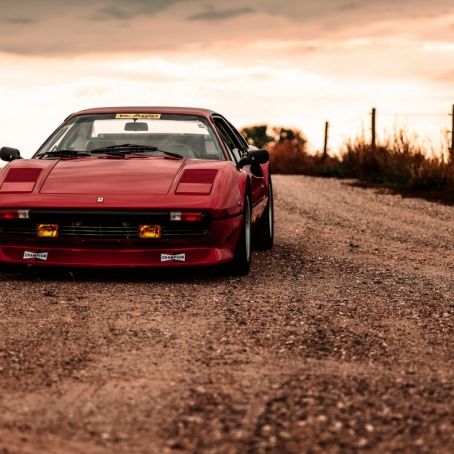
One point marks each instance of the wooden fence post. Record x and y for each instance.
(325, 145)
(452, 136)
(373, 128)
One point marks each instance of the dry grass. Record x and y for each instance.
(399, 162)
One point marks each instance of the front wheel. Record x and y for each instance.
(241, 263)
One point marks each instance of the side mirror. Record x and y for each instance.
(9, 154)
(255, 157)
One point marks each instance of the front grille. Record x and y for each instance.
(103, 225)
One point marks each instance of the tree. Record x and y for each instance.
(257, 135)
(283, 134)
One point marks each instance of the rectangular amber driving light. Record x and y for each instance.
(149, 231)
(47, 230)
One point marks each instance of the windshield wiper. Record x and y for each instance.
(128, 148)
(65, 154)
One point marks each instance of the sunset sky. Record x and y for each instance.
(293, 63)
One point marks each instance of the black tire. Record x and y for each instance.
(241, 263)
(264, 233)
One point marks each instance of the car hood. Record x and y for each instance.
(152, 176)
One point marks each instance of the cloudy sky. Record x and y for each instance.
(294, 63)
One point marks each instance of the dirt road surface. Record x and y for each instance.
(340, 340)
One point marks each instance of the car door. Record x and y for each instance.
(238, 148)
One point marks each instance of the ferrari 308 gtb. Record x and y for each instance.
(137, 187)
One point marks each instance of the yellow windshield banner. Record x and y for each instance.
(138, 116)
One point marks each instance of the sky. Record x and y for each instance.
(293, 63)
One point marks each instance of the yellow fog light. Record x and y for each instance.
(149, 231)
(47, 230)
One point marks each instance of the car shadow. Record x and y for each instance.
(442, 197)
(59, 274)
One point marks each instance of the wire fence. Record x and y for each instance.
(431, 130)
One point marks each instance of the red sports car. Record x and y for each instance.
(137, 187)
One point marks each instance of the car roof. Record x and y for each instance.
(197, 111)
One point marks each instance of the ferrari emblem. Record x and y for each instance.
(100, 199)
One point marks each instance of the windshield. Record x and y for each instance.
(188, 136)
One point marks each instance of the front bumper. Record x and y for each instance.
(215, 248)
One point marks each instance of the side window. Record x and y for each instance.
(229, 138)
(244, 146)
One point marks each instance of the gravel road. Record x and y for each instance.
(340, 340)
